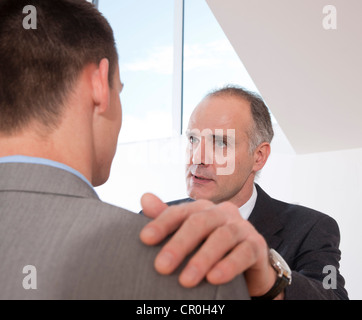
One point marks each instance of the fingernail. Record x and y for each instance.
(190, 276)
(164, 262)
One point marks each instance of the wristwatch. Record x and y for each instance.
(284, 276)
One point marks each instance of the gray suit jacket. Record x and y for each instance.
(307, 239)
(81, 248)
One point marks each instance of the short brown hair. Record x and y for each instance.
(262, 129)
(38, 67)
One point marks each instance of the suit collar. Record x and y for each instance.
(45, 179)
(265, 218)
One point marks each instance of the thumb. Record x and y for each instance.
(152, 206)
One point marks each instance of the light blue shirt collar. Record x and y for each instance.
(43, 161)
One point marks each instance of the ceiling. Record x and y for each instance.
(310, 77)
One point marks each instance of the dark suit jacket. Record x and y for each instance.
(81, 247)
(308, 241)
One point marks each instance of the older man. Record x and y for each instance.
(283, 249)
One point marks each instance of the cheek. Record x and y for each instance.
(120, 112)
(225, 163)
(234, 171)
(117, 110)
(188, 156)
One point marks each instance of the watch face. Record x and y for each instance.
(280, 263)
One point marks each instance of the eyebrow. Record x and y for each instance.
(224, 137)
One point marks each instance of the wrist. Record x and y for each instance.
(277, 282)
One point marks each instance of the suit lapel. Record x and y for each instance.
(265, 219)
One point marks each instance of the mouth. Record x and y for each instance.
(200, 179)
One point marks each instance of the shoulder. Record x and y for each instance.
(287, 211)
(96, 210)
(297, 220)
(303, 217)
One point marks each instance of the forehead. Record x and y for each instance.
(222, 112)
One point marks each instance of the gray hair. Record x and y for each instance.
(262, 128)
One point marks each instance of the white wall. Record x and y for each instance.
(332, 182)
(309, 76)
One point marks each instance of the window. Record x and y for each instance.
(171, 53)
(163, 44)
(210, 61)
(144, 36)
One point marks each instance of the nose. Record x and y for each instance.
(202, 153)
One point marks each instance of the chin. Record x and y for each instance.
(197, 195)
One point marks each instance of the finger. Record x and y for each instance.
(169, 220)
(152, 206)
(193, 231)
(218, 244)
(250, 254)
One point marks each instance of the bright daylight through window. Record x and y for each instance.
(144, 35)
(144, 32)
(171, 53)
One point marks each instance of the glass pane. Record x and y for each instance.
(144, 35)
(210, 61)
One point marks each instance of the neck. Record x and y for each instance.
(55, 146)
(245, 193)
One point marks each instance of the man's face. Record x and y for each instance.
(203, 177)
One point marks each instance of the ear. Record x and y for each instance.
(261, 155)
(100, 87)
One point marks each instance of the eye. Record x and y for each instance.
(192, 139)
(220, 143)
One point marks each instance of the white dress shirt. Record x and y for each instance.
(246, 209)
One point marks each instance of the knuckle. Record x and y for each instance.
(224, 234)
(205, 203)
(260, 241)
(202, 260)
(229, 208)
(250, 252)
(231, 266)
(176, 248)
(256, 240)
(196, 220)
(202, 204)
(234, 230)
(256, 246)
(229, 232)
(177, 211)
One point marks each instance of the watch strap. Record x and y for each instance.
(277, 288)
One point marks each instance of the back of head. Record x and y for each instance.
(40, 65)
